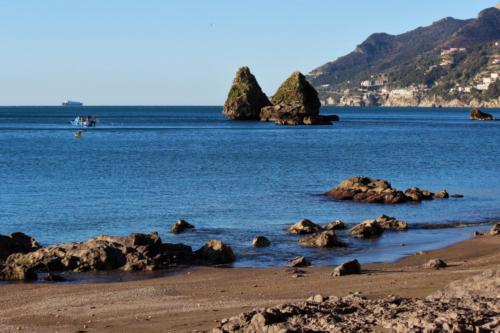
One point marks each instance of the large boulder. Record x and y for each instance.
(435, 264)
(298, 262)
(16, 242)
(442, 195)
(245, 98)
(322, 239)
(136, 252)
(304, 227)
(348, 268)
(296, 102)
(476, 114)
(215, 252)
(495, 230)
(367, 229)
(417, 195)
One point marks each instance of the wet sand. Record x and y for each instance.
(195, 299)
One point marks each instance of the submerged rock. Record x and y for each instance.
(136, 252)
(261, 241)
(16, 242)
(298, 262)
(322, 239)
(348, 268)
(442, 195)
(245, 98)
(215, 252)
(476, 114)
(181, 226)
(304, 227)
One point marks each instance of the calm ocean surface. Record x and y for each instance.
(143, 168)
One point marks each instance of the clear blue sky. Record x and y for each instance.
(185, 52)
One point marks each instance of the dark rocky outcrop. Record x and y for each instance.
(304, 227)
(181, 226)
(215, 252)
(136, 252)
(260, 241)
(16, 242)
(348, 268)
(476, 114)
(298, 262)
(322, 239)
(369, 190)
(245, 98)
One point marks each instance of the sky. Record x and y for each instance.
(185, 52)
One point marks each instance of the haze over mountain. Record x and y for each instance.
(451, 62)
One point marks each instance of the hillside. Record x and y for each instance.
(451, 63)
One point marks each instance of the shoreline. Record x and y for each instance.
(196, 299)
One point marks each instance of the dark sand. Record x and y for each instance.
(196, 299)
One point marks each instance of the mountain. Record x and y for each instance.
(427, 65)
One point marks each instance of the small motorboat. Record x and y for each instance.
(88, 121)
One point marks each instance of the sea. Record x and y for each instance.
(142, 168)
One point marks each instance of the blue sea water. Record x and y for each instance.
(142, 168)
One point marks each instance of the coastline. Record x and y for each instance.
(197, 298)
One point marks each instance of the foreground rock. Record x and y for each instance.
(16, 242)
(181, 226)
(298, 262)
(476, 114)
(365, 189)
(435, 264)
(348, 268)
(296, 102)
(495, 230)
(214, 252)
(245, 98)
(304, 227)
(136, 252)
(322, 239)
(466, 306)
(261, 241)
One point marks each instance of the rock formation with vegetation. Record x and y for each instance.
(245, 98)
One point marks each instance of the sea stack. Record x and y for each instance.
(295, 103)
(245, 98)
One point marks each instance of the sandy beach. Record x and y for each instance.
(196, 299)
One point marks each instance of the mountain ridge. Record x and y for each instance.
(390, 58)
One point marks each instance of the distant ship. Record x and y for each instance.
(72, 103)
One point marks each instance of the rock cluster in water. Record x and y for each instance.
(374, 228)
(476, 114)
(465, 306)
(365, 189)
(296, 102)
(136, 252)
